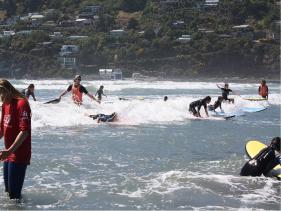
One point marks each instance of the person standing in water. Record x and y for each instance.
(225, 92)
(263, 90)
(16, 130)
(100, 93)
(198, 104)
(29, 91)
(77, 91)
(165, 98)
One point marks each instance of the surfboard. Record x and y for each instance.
(255, 99)
(53, 101)
(252, 110)
(253, 147)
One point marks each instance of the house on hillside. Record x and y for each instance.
(90, 11)
(185, 38)
(68, 56)
(117, 33)
(211, 3)
(111, 74)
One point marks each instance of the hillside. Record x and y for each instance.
(167, 38)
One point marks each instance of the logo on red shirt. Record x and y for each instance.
(7, 120)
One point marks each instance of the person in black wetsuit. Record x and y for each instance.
(225, 92)
(198, 104)
(29, 91)
(216, 105)
(104, 118)
(264, 161)
(165, 98)
(100, 93)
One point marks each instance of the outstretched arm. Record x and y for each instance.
(218, 86)
(62, 94)
(93, 98)
(32, 94)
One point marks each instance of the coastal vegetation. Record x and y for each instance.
(167, 38)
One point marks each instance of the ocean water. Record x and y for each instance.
(157, 156)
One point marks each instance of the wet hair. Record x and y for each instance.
(208, 98)
(12, 93)
(263, 81)
(226, 84)
(275, 143)
(101, 87)
(77, 77)
(30, 86)
(165, 98)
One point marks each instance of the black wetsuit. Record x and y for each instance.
(26, 92)
(99, 93)
(215, 106)
(82, 89)
(225, 93)
(105, 118)
(262, 163)
(198, 104)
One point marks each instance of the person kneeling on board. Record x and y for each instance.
(105, 118)
(198, 104)
(216, 105)
(264, 161)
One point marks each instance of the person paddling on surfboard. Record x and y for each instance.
(263, 89)
(77, 91)
(198, 104)
(104, 118)
(216, 105)
(264, 161)
(225, 92)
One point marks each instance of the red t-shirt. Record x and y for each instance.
(16, 117)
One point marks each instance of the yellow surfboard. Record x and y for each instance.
(255, 99)
(253, 147)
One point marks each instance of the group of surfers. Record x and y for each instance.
(15, 127)
(195, 106)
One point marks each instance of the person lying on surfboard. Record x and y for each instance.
(105, 118)
(264, 161)
(198, 104)
(225, 92)
(216, 105)
(77, 91)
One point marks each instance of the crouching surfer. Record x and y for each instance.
(198, 104)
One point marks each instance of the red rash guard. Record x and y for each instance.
(16, 117)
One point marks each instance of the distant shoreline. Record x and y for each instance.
(175, 79)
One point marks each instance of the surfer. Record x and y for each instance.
(263, 89)
(165, 98)
(77, 91)
(29, 91)
(198, 104)
(16, 130)
(264, 161)
(100, 93)
(216, 105)
(225, 92)
(105, 118)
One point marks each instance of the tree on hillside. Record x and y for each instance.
(132, 23)
(132, 5)
(10, 6)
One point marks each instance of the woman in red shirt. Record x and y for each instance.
(16, 130)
